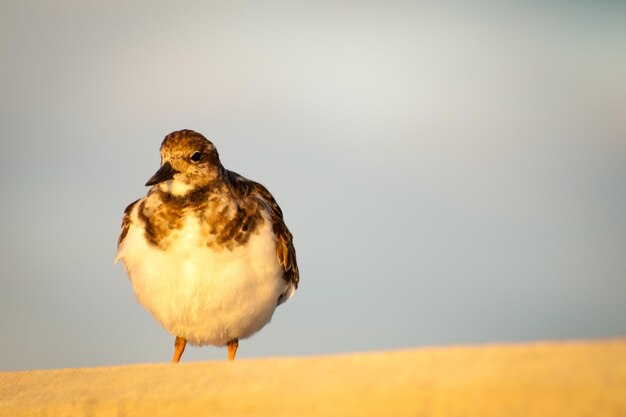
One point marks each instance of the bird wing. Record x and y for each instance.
(126, 222)
(285, 251)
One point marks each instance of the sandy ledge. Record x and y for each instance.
(539, 379)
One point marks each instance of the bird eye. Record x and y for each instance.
(196, 156)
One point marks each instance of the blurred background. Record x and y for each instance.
(452, 173)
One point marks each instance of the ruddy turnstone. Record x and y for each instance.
(207, 250)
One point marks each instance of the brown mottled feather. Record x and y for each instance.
(285, 251)
(126, 222)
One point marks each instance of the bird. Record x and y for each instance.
(207, 251)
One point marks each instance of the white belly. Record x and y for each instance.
(206, 296)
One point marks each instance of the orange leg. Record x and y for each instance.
(232, 349)
(179, 348)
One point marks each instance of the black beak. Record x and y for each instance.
(166, 172)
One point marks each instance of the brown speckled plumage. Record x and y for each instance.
(126, 222)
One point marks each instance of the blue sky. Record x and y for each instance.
(452, 174)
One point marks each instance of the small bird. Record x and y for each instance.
(207, 251)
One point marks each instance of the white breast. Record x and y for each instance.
(203, 295)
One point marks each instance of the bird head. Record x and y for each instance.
(188, 161)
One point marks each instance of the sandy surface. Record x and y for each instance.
(543, 379)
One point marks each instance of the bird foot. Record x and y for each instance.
(232, 349)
